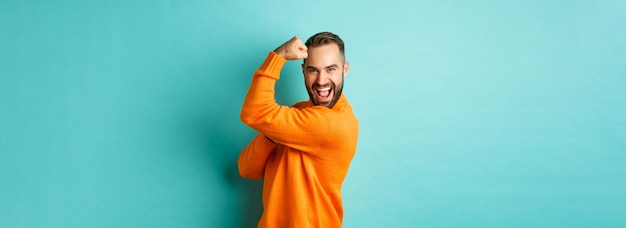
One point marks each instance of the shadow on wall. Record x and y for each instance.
(226, 136)
(248, 206)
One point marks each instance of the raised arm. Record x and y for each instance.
(283, 124)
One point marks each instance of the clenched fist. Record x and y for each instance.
(292, 49)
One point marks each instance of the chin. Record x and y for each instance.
(328, 104)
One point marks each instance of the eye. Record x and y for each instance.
(311, 70)
(331, 69)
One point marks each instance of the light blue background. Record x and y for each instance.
(472, 113)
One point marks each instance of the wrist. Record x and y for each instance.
(280, 52)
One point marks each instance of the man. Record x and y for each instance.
(303, 152)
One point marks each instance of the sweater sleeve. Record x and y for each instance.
(302, 129)
(251, 162)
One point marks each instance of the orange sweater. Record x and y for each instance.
(303, 172)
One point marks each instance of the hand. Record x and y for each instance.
(293, 49)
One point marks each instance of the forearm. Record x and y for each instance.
(251, 161)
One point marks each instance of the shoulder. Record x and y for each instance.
(301, 104)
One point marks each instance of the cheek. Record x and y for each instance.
(338, 78)
(308, 81)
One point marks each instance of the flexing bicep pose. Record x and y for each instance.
(302, 152)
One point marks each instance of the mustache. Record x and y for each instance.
(316, 85)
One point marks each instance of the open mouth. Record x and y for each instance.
(323, 93)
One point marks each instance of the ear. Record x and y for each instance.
(303, 69)
(346, 67)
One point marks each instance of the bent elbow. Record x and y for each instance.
(247, 117)
(243, 117)
(249, 175)
(252, 119)
(247, 170)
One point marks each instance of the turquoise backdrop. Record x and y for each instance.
(472, 113)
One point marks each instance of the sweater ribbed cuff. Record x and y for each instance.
(272, 66)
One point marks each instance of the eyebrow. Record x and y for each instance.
(312, 67)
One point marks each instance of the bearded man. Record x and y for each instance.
(302, 152)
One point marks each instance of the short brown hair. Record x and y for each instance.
(324, 38)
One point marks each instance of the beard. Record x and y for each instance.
(336, 91)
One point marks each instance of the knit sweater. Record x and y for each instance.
(304, 169)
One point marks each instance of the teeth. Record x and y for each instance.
(324, 89)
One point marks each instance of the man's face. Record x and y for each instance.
(324, 70)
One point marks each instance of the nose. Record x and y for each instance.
(322, 78)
